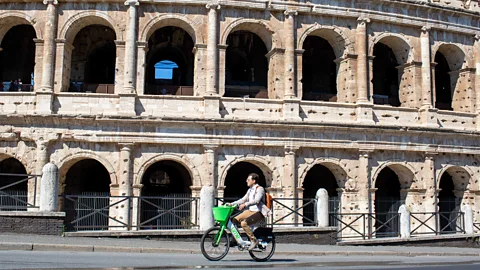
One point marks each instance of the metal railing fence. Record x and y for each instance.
(172, 211)
(14, 197)
(99, 211)
(368, 225)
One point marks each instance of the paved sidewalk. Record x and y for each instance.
(143, 245)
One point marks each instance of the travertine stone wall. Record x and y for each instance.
(282, 135)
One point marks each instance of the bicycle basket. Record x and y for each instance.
(222, 213)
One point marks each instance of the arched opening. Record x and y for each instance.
(87, 189)
(166, 196)
(443, 86)
(319, 177)
(170, 62)
(246, 66)
(14, 197)
(448, 204)
(319, 70)
(385, 76)
(93, 60)
(387, 203)
(235, 181)
(17, 59)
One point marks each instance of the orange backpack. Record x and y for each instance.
(268, 200)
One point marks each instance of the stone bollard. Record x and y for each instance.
(404, 221)
(49, 188)
(467, 209)
(206, 203)
(322, 207)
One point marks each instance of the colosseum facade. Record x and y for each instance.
(372, 100)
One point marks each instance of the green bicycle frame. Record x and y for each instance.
(232, 228)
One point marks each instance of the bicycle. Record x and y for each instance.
(216, 242)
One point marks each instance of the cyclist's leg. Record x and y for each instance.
(241, 217)
(253, 218)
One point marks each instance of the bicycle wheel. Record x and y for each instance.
(210, 249)
(263, 252)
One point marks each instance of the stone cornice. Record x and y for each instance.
(131, 135)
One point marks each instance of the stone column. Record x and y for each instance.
(476, 54)
(426, 68)
(467, 210)
(289, 56)
(127, 95)
(119, 66)
(141, 66)
(322, 207)
(404, 221)
(427, 112)
(366, 193)
(212, 53)
(45, 91)
(222, 52)
(211, 164)
(130, 44)
(49, 189)
(430, 200)
(125, 186)
(49, 45)
(42, 159)
(361, 37)
(63, 63)
(207, 201)
(299, 57)
(289, 182)
(37, 80)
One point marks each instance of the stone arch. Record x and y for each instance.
(340, 43)
(455, 55)
(335, 166)
(401, 47)
(182, 160)
(82, 19)
(462, 176)
(170, 20)
(10, 19)
(28, 169)
(65, 163)
(258, 27)
(404, 171)
(264, 165)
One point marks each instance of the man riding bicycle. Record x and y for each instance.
(255, 211)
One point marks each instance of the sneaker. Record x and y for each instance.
(253, 245)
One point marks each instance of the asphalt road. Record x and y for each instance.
(139, 261)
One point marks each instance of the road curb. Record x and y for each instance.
(93, 248)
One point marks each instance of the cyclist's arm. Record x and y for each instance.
(242, 200)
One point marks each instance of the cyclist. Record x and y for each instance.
(255, 208)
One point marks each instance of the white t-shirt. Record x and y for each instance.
(251, 198)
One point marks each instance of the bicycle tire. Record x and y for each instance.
(209, 248)
(257, 253)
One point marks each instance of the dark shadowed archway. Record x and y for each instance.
(87, 188)
(319, 70)
(12, 172)
(235, 181)
(246, 66)
(166, 196)
(319, 177)
(387, 203)
(17, 58)
(174, 46)
(385, 76)
(443, 87)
